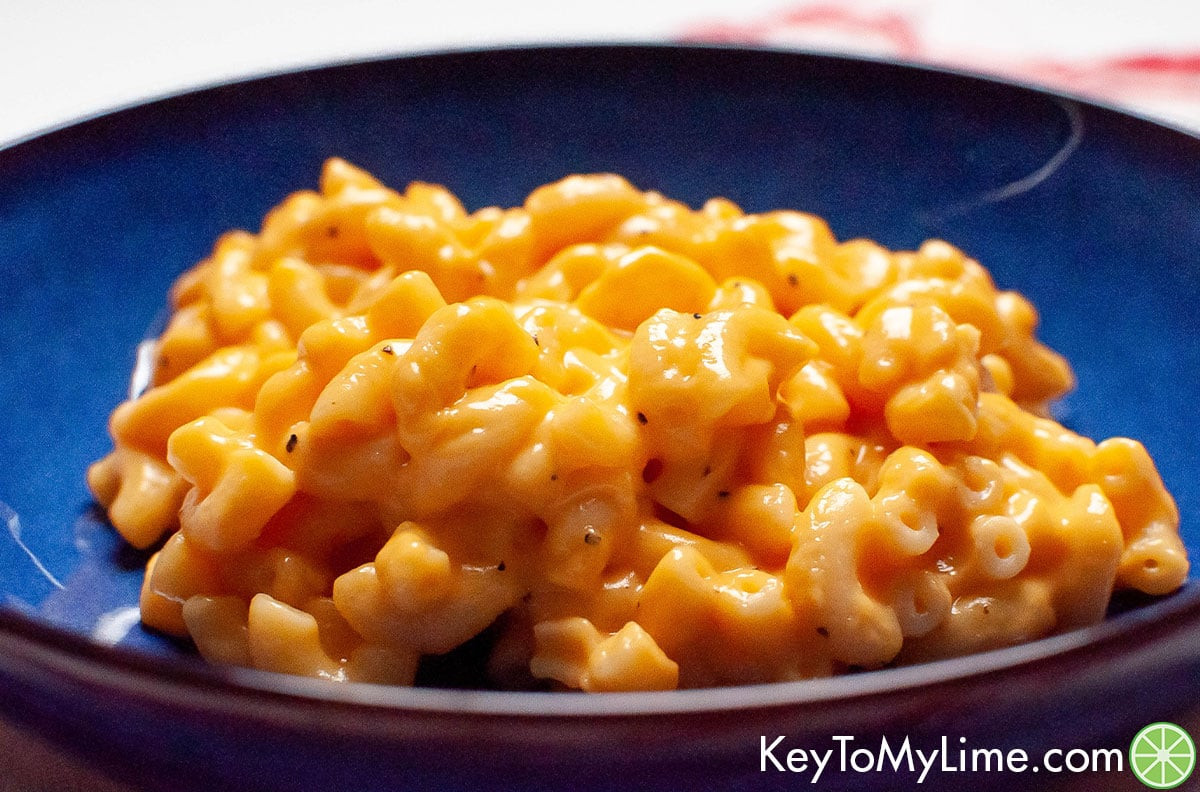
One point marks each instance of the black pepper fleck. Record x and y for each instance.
(387, 349)
(554, 477)
(331, 232)
(291, 444)
(821, 631)
(500, 567)
(695, 316)
(707, 470)
(591, 537)
(793, 279)
(536, 342)
(642, 418)
(723, 494)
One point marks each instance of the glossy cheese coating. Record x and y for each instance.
(645, 447)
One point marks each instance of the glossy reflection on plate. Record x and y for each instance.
(1093, 214)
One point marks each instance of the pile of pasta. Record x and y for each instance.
(638, 446)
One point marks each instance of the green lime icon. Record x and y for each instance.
(1162, 756)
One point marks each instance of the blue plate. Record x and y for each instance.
(1092, 213)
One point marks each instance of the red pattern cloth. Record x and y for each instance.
(1164, 83)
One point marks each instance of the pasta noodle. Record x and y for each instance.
(636, 445)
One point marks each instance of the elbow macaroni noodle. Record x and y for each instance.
(645, 447)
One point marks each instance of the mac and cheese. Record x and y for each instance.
(644, 447)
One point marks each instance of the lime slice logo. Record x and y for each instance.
(1162, 756)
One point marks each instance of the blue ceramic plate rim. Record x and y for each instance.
(131, 670)
(585, 45)
(120, 668)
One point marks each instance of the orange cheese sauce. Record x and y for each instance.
(647, 446)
